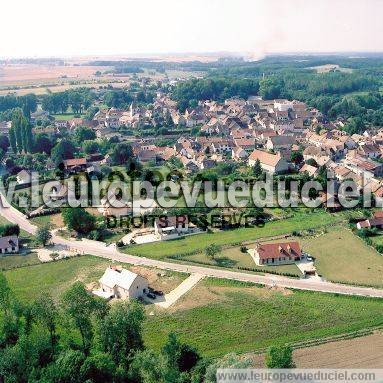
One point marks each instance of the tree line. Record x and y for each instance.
(27, 103)
(78, 99)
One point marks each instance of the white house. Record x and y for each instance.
(172, 227)
(272, 163)
(121, 283)
(25, 177)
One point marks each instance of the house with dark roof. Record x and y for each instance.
(9, 244)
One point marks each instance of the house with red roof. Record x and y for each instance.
(282, 253)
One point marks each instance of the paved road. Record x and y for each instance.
(110, 252)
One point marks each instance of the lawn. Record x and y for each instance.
(54, 277)
(302, 220)
(221, 318)
(234, 258)
(13, 261)
(65, 116)
(53, 220)
(343, 257)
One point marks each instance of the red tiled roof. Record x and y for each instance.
(265, 158)
(75, 162)
(277, 250)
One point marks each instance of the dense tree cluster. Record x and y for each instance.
(78, 99)
(188, 93)
(27, 103)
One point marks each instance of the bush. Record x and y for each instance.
(243, 249)
(9, 229)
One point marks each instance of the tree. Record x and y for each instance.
(120, 332)
(43, 234)
(4, 142)
(79, 305)
(279, 357)
(98, 368)
(122, 154)
(79, 219)
(45, 312)
(63, 150)
(9, 229)
(257, 169)
(228, 361)
(296, 157)
(42, 144)
(149, 367)
(271, 88)
(21, 133)
(67, 367)
(212, 250)
(90, 147)
(83, 133)
(180, 356)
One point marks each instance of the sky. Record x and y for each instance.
(36, 28)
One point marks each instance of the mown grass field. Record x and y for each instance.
(343, 257)
(28, 283)
(234, 258)
(13, 261)
(219, 318)
(300, 221)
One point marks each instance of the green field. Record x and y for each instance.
(30, 282)
(234, 258)
(300, 221)
(13, 261)
(343, 257)
(65, 116)
(219, 318)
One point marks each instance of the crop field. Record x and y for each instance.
(361, 352)
(31, 73)
(343, 257)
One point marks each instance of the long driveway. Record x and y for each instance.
(99, 249)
